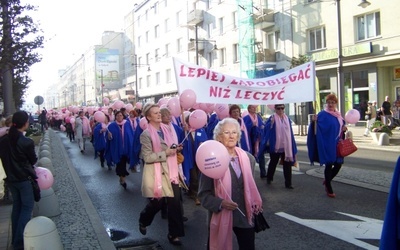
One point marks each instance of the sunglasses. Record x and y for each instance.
(280, 108)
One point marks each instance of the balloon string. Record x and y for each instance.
(230, 197)
(184, 139)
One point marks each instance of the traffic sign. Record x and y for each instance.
(38, 100)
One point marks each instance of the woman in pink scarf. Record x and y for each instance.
(233, 199)
(278, 140)
(160, 174)
(82, 130)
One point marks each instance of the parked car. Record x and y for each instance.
(35, 118)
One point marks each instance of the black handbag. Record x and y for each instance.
(35, 188)
(260, 223)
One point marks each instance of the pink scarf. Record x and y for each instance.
(221, 223)
(338, 116)
(284, 135)
(85, 125)
(170, 138)
(122, 130)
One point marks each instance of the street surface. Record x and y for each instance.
(303, 218)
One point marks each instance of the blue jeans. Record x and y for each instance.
(23, 202)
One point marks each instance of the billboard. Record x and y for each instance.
(107, 64)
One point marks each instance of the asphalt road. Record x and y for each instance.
(303, 218)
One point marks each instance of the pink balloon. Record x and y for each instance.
(212, 158)
(197, 119)
(174, 106)
(208, 107)
(62, 127)
(222, 110)
(271, 107)
(163, 106)
(75, 110)
(90, 110)
(187, 99)
(99, 116)
(45, 178)
(352, 116)
(138, 105)
(118, 104)
(162, 101)
(72, 120)
(143, 123)
(68, 119)
(128, 107)
(106, 101)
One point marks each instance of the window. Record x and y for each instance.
(168, 75)
(235, 19)
(157, 55)
(157, 78)
(139, 61)
(210, 30)
(368, 26)
(146, 15)
(147, 36)
(221, 26)
(140, 83)
(178, 18)
(167, 25)
(157, 31)
(317, 38)
(139, 41)
(167, 52)
(222, 56)
(179, 45)
(147, 58)
(148, 78)
(236, 53)
(273, 40)
(360, 79)
(138, 21)
(165, 3)
(155, 6)
(210, 59)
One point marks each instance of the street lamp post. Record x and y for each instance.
(102, 87)
(340, 74)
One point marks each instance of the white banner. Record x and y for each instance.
(294, 85)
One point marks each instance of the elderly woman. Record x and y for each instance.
(160, 174)
(323, 138)
(233, 199)
(82, 130)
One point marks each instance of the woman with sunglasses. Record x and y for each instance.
(278, 134)
(323, 138)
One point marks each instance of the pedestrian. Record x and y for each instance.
(278, 140)
(234, 198)
(134, 120)
(82, 130)
(43, 120)
(120, 146)
(324, 133)
(69, 129)
(255, 128)
(194, 138)
(160, 174)
(244, 142)
(100, 140)
(370, 116)
(18, 157)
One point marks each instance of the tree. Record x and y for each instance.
(20, 41)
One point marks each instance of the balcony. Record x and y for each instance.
(192, 45)
(195, 17)
(267, 56)
(263, 19)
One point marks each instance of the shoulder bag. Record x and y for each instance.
(345, 147)
(35, 188)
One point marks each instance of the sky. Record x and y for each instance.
(70, 28)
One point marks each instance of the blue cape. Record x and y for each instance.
(254, 132)
(99, 139)
(268, 141)
(324, 142)
(212, 122)
(390, 238)
(115, 149)
(189, 151)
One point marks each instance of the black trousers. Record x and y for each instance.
(194, 181)
(120, 169)
(174, 210)
(287, 168)
(245, 238)
(331, 170)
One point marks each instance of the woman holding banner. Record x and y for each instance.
(234, 198)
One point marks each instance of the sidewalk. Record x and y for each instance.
(91, 235)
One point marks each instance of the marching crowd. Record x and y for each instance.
(163, 146)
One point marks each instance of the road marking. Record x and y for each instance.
(349, 231)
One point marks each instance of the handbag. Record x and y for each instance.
(35, 188)
(260, 223)
(345, 147)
